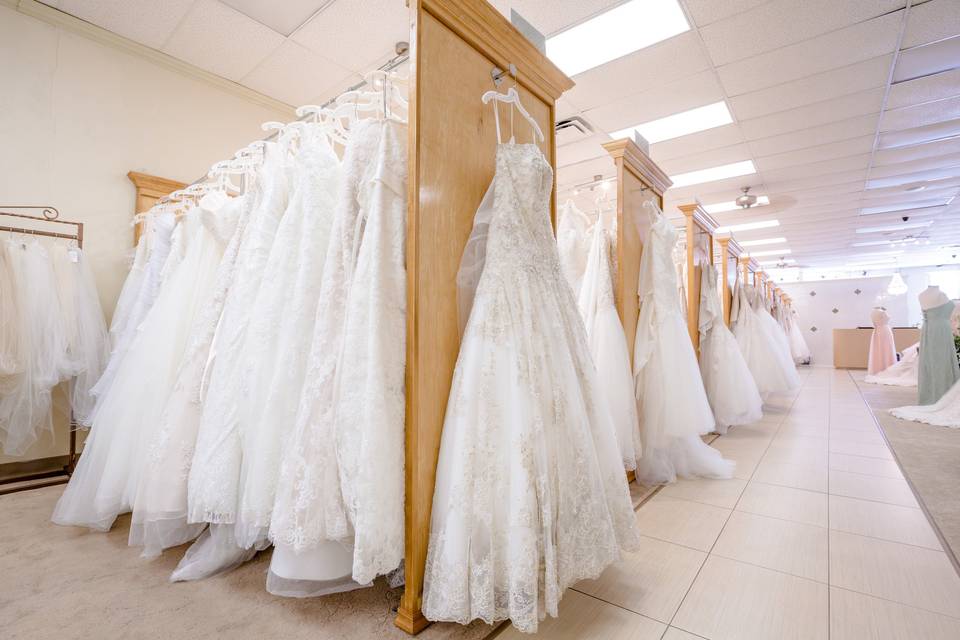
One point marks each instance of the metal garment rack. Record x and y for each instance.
(47, 215)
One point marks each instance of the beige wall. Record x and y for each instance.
(76, 115)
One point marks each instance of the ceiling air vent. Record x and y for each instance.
(573, 129)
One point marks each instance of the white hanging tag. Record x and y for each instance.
(74, 255)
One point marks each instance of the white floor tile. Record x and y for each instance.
(792, 547)
(720, 493)
(787, 455)
(797, 505)
(651, 581)
(909, 575)
(891, 522)
(857, 435)
(855, 616)
(811, 478)
(857, 485)
(860, 449)
(679, 634)
(731, 600)
(867, 466)
(691, 524)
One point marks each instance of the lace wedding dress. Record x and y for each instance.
(338, 515)
(530, 492)
(608, 345)
(573, 242)
(904, 373)
(762, 343)
(730, 387)
(672, 403)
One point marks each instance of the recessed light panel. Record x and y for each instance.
(771, 263)
(928, 59)
(771, 252)
(749, 226)
(757, 243)
(713, 174)
(680, 124)
(721, 207)
(613, 34)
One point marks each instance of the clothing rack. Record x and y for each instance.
(37, 479)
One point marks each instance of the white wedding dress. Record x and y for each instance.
(281, 323)
(671, 401)
(338, 518)
(904, 373)
(944, 413)
(573, 242)
(762, 343)
(11, 337)
(798, 344)
(730, 387)
(107, 476)
(530, 494)
(608, 345)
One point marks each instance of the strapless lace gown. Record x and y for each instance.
(530, 493)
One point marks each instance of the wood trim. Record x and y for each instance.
(697, 222)
(149, 190)
(639, 163)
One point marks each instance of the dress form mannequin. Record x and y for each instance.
(883, 352)
(932, 297)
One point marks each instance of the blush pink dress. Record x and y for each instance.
(883, 351)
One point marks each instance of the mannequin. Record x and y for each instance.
(883, 351)
(932, 297)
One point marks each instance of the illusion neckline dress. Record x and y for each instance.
(530, 493)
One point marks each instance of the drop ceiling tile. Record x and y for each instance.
(145, 21)
(826, 167)
(844, 148)
(580, 172)
(912, 166)
(647, 69)
(296, 75)
(835, 83)
(584, 149)
(824, 134)
(930, 22)
(552, 16)
(775, 24)
(928, 59)
(920, 115)
(232, 49)
(705, 12)
(926, 89)
(696, 142)
(334, 33)
(687, 93)
(706, 159)
(918, 135)
(566, 108)
(680, 194)
(790, 184)
(938, 173)
(838, 48)
(283, 17)
(813, 115)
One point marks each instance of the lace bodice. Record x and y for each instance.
(658, 279)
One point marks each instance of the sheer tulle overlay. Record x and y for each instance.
(763, 344)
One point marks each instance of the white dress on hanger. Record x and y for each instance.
(213, 485)
(11, 353)
(798, 344)
(280, 327)
(108, 473)
(730, 387)
(671, 401)
(88, 343)
(338, 516)
(944, 413)
(159, 507)
(608, 345)
(904, 373)
(573, 242)
(134, 280)
(26, 403)
(759, 337)
(530, 494)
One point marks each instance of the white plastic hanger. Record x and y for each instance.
(513, 98)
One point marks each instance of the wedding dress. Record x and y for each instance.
(88, 343)
(608, 345)
(214, 481)
(133, 281)
(281, 324)
(573, 241)
(159, 507)
(338, 518)
(11, 345)
(730, 387)
(798, 344)
(25, 404)
(904, 373)
(944, 413)
(762, 343)
(671, 400)
(108, 473)
(530, 494)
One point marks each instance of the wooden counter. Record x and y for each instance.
(851, 347)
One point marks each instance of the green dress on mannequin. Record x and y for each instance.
(938, 357)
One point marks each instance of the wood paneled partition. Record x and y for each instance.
(700, 228)
(639, 180)
(730, 252)
(454, 46)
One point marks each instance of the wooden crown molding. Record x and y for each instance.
(700, 216)
(733, 247)
(91, 31)
(153, 186)
(490, 33)
(639, 164)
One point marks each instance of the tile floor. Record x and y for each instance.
(818, 536)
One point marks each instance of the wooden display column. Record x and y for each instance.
(639, 180)
(149, 190)
(454, 46)
(730, 252)
(700, 228)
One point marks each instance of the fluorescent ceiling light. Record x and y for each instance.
(720, 207)
(714, 173)
(757, 243)
(749, 226)
(916, 207)
(680, 124)
(872, 243)
(898, 227)
(613, 34)
(771, 252)
(770, 263)
(927, 59)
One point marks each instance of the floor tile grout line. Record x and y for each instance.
(618, 606)
(897, 602)
(829, 556)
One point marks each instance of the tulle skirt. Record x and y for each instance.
(730, 386)
(766, 353)
(798, 345)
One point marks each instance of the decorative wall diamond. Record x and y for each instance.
(813, 293)
(835, 310)
(857, 291)
(814, 329)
